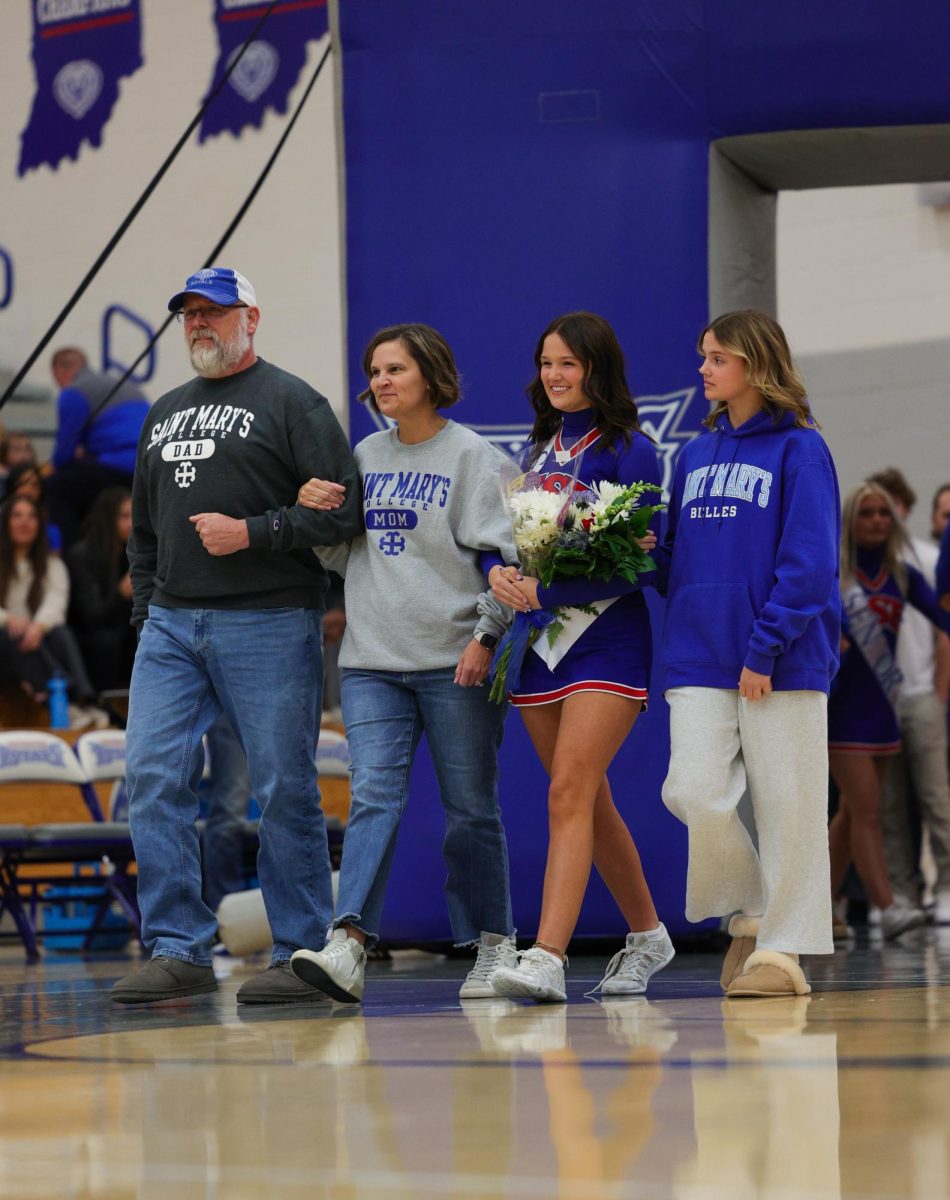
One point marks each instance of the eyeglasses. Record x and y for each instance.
(208, 312)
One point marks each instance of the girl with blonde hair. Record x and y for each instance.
(862, 713)
(750, 562)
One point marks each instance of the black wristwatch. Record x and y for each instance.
(488, 640)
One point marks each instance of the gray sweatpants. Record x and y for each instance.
(778, 749)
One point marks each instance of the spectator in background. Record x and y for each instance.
(919, 770)
(25, 479)
(15, 448)
(876, 584)
(228, 797)
(34, 593)
(334, 627)
(940, 512)
(96, 437)
(100, 610)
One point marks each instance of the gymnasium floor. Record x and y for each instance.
(684, 1095)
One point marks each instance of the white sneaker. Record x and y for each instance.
(338, 969)
(630, 969)
(494, 950)
(942, 909)
(539, 975)
(900, 916)
(633, 1023)
(87, 716)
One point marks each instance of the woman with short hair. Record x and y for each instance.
(415, 656)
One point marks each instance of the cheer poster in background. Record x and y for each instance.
(81, 49)
(269, 67)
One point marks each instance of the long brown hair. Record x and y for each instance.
(37, 555)
(759, 339)
(594, 344)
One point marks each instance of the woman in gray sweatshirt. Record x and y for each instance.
(415, 657)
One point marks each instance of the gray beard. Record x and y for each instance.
(211, 358)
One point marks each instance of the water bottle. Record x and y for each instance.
(58, 703)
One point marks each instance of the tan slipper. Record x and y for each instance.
(743, 930)
(770, 973)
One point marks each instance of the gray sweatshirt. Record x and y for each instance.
(413, 580)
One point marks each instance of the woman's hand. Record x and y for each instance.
(17, 626)
(125, 587)
(472, 669)
(508, 586)
(321, 494)
(32, 637)
(753, 686)
(648, 542)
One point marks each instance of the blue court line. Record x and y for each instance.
(856, 1063)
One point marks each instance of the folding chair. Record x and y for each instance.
(29, 756)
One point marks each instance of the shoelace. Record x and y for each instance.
(335, 949)
(648, 951)
(486, 961)
(534, 956)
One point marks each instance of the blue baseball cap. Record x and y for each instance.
(222, 285)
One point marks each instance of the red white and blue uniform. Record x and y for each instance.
(614, 653)
(861, 719)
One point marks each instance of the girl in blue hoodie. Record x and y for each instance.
(750, 647)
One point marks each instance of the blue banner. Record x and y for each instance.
(271, 65)
(81, 49)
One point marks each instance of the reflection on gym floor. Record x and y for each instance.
(683, 1094)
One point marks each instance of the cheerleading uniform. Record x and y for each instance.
(861, 719)
(613, 654)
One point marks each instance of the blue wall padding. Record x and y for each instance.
(509, 161)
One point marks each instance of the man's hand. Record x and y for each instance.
(219, 534)
(753, 686)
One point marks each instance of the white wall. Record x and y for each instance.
(864, 296)
(55, 223)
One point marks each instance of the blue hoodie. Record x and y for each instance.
(750, 559)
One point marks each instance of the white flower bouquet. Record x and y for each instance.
(591, 535)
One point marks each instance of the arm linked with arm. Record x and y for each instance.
(320, 450)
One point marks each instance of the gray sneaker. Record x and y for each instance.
(338, 969)
(278, 985)
(494, 951)
(164, 978)
(899, 917)
(630, 969)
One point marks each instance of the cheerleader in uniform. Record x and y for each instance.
(580, 699)
(863, 729)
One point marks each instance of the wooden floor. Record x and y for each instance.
(844, 1094)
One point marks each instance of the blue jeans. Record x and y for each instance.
(228, 796)
(263, 668)
(386, 713)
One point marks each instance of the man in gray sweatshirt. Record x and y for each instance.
(228, 598)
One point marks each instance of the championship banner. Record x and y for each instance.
(269, 67)
(81, 49)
